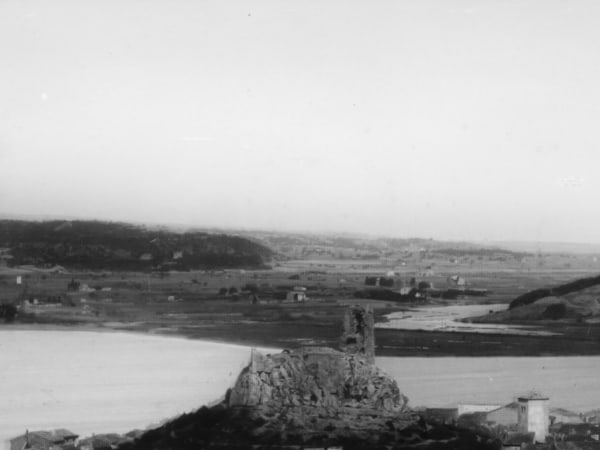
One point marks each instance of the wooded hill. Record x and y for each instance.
(556, 291)
(121, 246)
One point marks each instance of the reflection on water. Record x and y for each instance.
(446, 318)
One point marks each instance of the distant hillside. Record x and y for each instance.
(360, 247)
(120, 246)
(563, 289)
(577, 300)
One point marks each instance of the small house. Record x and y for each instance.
(560, 415)
(506, 415)
(86, 288)
(297, 294)
(457, 281)
(146, 257)
(467, 408)
(441, 415)
(516, 440)
(406, 290)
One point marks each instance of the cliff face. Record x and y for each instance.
(316, 377)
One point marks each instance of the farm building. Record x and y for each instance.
(441, 415)
(560, 415)
(468, 408)
(506, 415)
(457, 281)
(406, 290)
(515, 440)
(379, 281)
(297, 294)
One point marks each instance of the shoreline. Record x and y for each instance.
(85, 328)
(389, 342)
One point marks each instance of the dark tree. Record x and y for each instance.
(8, 312)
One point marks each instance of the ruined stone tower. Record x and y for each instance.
(358, 337)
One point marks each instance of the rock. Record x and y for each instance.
(359, 333)
(311, 397)
(318, 377)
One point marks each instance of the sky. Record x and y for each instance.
(473, 120)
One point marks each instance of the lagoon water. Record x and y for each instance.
(448, 318)
(92, 382)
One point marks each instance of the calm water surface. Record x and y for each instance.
(100, 382)
(447, 318)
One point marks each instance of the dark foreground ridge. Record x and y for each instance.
(312, 397)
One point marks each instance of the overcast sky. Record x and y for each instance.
(446, 119)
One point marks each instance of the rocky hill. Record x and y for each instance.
(120, 246)
(312, 398)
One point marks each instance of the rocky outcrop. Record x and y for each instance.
(312, 397)
(323, 394)
(316, 377)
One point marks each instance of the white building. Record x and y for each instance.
(469, 408)
(298, 294)
(533, 415)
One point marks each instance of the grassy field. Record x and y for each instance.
(189, 304)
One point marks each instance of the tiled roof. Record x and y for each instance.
(57, 435)
(533, 395)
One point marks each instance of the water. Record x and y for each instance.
(570, 382)
(446, 318)
(100, 382)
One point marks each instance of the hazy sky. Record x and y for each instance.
(445, 119)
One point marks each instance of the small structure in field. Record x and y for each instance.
(441, 415)
(457, 281)
(297, 294)
(86, 288)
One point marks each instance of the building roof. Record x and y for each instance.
(57, 435)
(512, 405)
(532, 395)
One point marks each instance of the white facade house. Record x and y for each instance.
(298, 294)
(533, 415)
